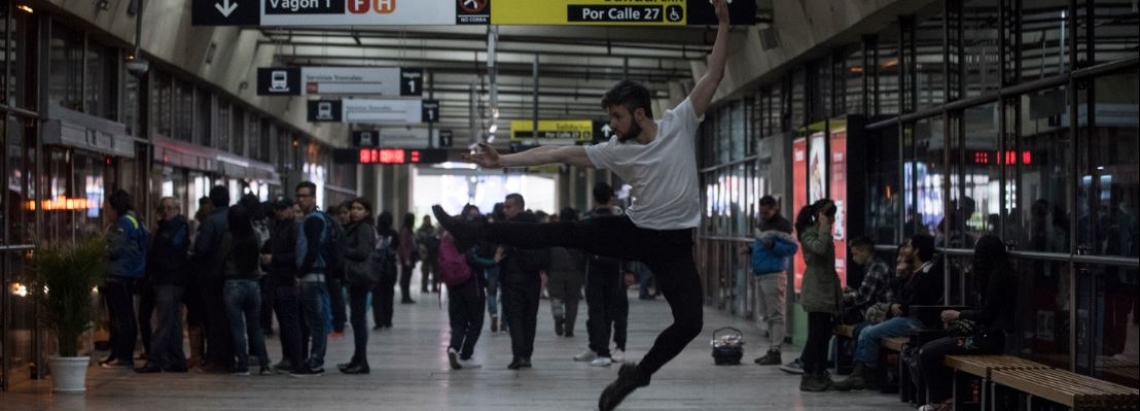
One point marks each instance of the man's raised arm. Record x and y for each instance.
(703, 92)
(490, 158)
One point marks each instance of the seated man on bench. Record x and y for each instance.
(978, 331)
(923, 287)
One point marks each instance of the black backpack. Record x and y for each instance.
(335, 244)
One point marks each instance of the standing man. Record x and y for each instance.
(606, 300)
(427, 238)
(311, 255)
(522, 285)
(656, 158)
(219, 345)
(127, 263)
(770, 250)
(279, 256)
(168, 264)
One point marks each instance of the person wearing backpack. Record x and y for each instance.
(464, 303)
(127, 263)
(317, 244)
(361, 274)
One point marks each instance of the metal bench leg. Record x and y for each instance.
(981, 387)
(954, 390)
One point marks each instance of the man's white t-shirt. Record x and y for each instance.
(663, 173)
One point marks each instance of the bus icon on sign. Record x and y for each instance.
(279, 81)
(366, 139)
(324, 110)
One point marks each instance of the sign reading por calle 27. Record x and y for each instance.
(373, 81)
(453, 12)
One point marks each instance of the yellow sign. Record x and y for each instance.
(575, 130)
(590, 12)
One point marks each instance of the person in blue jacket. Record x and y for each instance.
(770, 250)
(127, 262)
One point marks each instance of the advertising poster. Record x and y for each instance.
(817, 169)
(839, 196)
(799, 198)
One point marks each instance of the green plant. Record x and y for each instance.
(63, 276)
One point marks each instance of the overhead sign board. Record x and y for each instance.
(373, 81)
(392, 156)
(464, 12)
(409, 111)
(566, 130)
(404, 137)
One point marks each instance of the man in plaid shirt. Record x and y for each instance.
(876, 284)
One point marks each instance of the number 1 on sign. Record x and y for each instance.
(412, 86)
(431, 115)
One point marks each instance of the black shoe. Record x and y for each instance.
(466, 233)
(377, 327)
(304, 372)
(771, 358)
(525, 363)
(558, 323)
(516, 364)
(344, 365)
(629, 378)
(243, 371)
(264, 370)
(355, 369)
(149, 369)
(568, 334)
(408, 301)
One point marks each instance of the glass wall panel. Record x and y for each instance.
(928, 70)
(980, 30)
(132, 94)
(184, 101)
(66, 78)
(882, 185)
(161, 100)
(1116, 30)
(222, 142)
(888, 71)
(238, 136)
(101, 80)
(1106, 323)
(739, 138)
(1043, 312)
(852, 82)
(253, 135)
(799, 113)
(18, 90)
(1108, 190)
(723, 136)
(1043, 53)
(1042, 150)
(976, 183)
(924, 177)
(203, 115)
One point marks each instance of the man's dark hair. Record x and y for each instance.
(629, 94)
(121, 202)
(252, 206)
(925, 245)
(603, 192)
(203, 201)
(863, 242)
(307, 184)
(568, 215)
(518, 198)
(220, 196)
(768, 201)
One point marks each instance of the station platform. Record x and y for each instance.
(410, 372)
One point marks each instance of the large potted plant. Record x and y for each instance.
(63, 277)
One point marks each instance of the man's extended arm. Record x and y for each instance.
(703, 92)
(490, 158)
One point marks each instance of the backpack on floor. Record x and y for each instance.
(453, 267)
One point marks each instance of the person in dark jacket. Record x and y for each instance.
(923, 287)
(409, 255)
(522, 286)
(992, 319)
(312, 243)
(167, 265)
(384, 294)
(195, 301)
(127, 264)
(606, 301)
(772, 247)
(335, 277)
(278, 256)
(821, 294)
(239, 253)
(219, 343)
(361, 275)
(465, 302)
(566, 276)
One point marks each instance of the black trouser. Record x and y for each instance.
(465, 310)
(219, 342)
(937, 377)
(668, 253)
(406, 282)
(146, 313)
(267, 291)
(608, 308)
(565, 292)
(336, 303)
(121, 313)
(383, 296)
(430, 268)
(814, 356)
(166, 347)
(358, 304)
(520, 305)
(195, 306)
(287, 305)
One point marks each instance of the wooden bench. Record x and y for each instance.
(983, 366)
(1078, 392)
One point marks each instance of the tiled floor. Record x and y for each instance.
(410, 372)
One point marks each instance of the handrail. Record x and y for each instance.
(17, 247)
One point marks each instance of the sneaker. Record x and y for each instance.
(771, 358)
(494, 323)
(629, 378)
(814, 383)
(264, 370)
(240, 371)
(149, 368)
(794, 367)
(113, 364)
(283, 367)
(453, 358)
(587, 355)
(618, 355)
(304, 372)
(601, 362)
(558, 323)
(470, 363)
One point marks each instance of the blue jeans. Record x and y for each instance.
(243, 308)
(166, 345)
(493, 291)
(871, 337)
(315, 313)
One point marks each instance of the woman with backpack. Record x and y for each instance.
(822, 295)
(361, 274)
(464, 303)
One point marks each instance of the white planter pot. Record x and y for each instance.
(69, 374)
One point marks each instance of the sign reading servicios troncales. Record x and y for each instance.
(373, 81)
